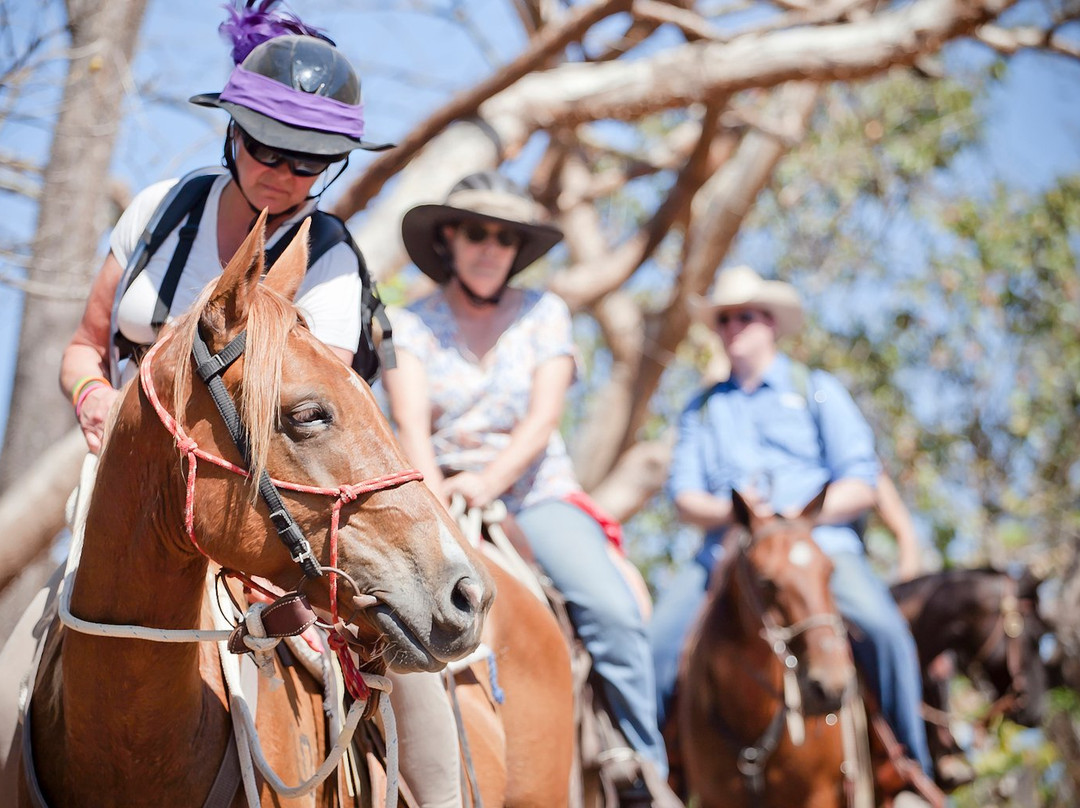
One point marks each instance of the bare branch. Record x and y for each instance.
(697, 72)
(546, 45)
(719, 210)
(1011, 40)
(582, 286)
(45, 291)
(692, 24)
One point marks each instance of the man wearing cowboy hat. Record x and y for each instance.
(778, 434)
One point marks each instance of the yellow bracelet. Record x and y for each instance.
(83, 382)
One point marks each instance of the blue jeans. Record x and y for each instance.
(886, 652)
(572, 549)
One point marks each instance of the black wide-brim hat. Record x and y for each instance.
(424, 243)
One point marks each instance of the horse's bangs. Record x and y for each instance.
(271, 318)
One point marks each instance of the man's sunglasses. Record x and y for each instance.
(302, 165)
(743, 317)
(478, 233)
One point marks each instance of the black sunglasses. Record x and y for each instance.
(302, 165)
(744, 317)
(478, 233)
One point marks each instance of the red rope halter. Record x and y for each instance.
(343, 494)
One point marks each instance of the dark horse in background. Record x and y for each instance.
(986, 623)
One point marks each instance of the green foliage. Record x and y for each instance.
(954, 315)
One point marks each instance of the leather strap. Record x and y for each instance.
(288, 616)
(227, 781)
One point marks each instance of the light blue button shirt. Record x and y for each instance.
(728, 438)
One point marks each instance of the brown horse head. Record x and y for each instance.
(420, 596)
(781, 583)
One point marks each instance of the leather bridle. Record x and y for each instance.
(752, 759)
(210, 368)
(1008, 628)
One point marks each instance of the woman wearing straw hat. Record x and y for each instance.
(483, 373)
(778, 433)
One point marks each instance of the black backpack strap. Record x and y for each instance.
(167, 291)
(327, 231)
(176, 204)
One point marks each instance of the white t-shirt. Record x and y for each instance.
(329, 295)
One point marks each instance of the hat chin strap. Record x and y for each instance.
(480, 300)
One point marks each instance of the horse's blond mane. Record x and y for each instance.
(270, 319)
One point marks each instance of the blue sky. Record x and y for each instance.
(410, 62)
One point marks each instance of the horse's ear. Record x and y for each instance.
(287, 273)
(813, 508)
(740, 509)
(229, 302)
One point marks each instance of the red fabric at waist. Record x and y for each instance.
(608, 523)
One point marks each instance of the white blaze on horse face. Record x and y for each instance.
(801, 554)
(450, 547)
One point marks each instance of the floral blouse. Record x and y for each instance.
(476, 405)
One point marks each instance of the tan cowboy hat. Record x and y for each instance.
(488, 196)
(741, 287)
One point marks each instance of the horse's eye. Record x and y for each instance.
(308, 414)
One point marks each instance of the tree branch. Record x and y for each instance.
(1010, 40)
(697, 72)
(547, 44)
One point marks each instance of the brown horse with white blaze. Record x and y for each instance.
(769, 649)
(125, 721)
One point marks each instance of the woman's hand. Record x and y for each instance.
(476, 490)
(93, 414)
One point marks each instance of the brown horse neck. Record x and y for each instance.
(129, 712)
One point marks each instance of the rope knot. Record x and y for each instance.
(347, 493)
(185, 444)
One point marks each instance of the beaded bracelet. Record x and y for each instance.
(88, 388)
(77, 390)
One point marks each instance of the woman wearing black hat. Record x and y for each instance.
(483, 372)
(296, 113)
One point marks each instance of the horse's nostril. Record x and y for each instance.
(467, 595)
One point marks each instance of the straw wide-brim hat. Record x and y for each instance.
(424, 244)
(741, 287)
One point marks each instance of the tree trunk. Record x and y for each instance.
(70, 223)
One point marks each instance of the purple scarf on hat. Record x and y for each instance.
(293, 107)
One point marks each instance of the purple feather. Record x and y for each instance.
(250, 26)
